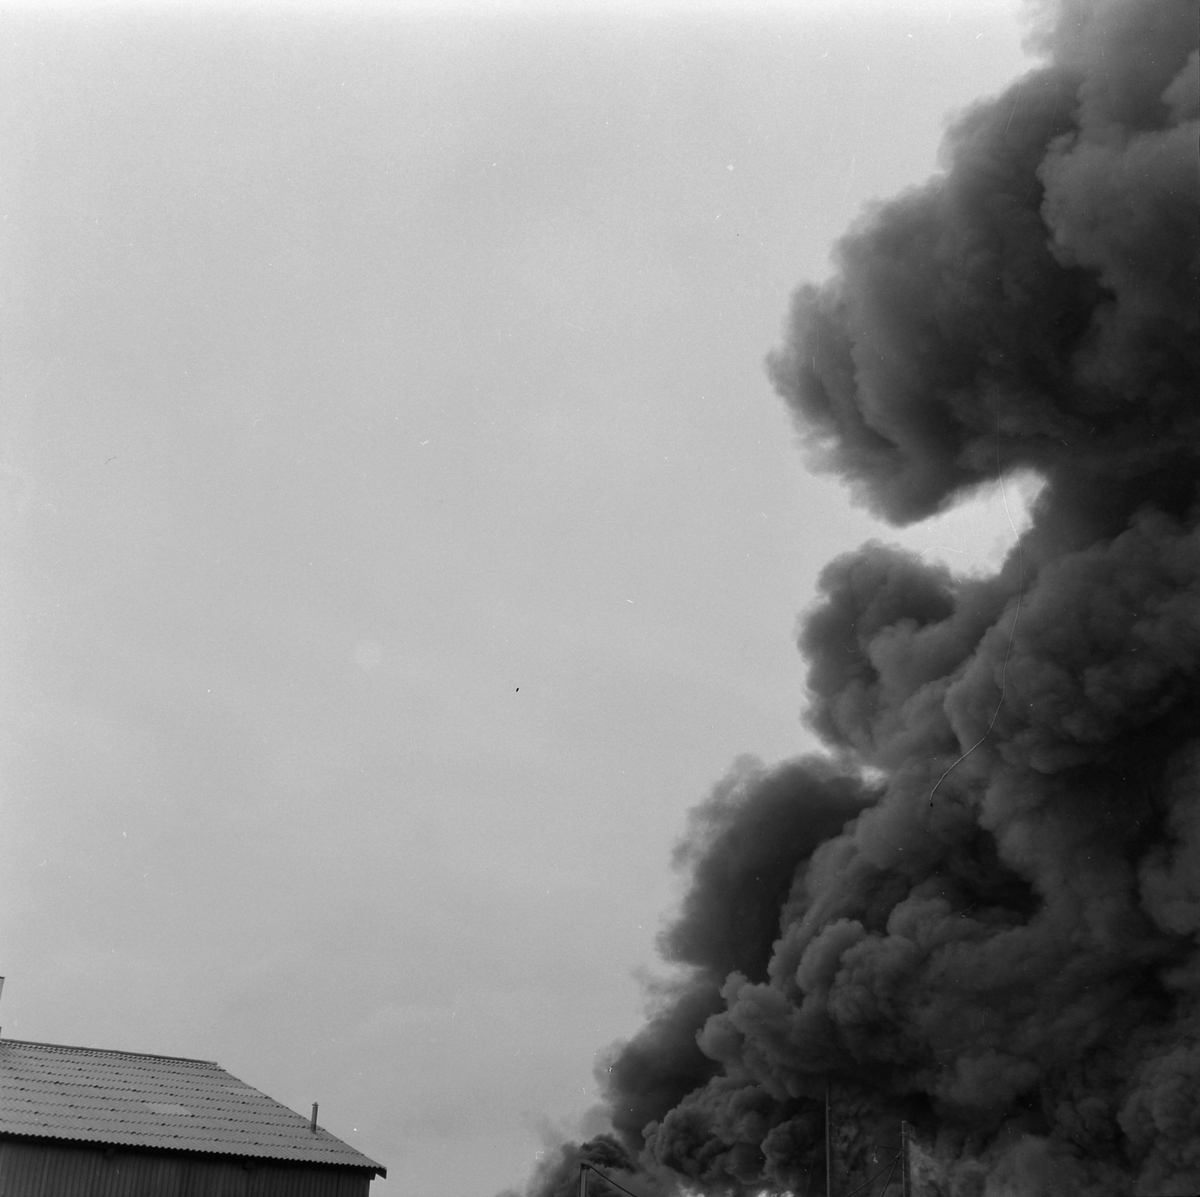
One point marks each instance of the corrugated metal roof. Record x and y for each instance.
(128, 1099)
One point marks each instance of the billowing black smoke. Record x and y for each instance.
(743, 851)
(1005, 954)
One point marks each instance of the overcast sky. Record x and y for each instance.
(399, 531)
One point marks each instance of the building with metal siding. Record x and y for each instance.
(82, 1122)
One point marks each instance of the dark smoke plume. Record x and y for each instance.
(981, 914)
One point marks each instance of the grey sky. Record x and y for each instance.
(400, 533)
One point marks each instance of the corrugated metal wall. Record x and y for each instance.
(58, 1170)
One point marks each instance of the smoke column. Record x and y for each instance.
(979, 912)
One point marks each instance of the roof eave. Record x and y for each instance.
(191, 1152)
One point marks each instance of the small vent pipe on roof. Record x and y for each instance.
(312, 1126)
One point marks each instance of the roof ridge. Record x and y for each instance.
(107, 1051)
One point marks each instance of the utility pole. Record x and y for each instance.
(904, 1186)
(582, 1179)
(828, 1147)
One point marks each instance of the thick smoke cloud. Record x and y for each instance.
(558, 1174)
(980, 914)
(1034, 304)
(743, 850)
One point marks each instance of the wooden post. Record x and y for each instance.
(828, 1147)
(583, 1179)
(904, 1184)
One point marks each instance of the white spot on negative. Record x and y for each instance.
(368, 654)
